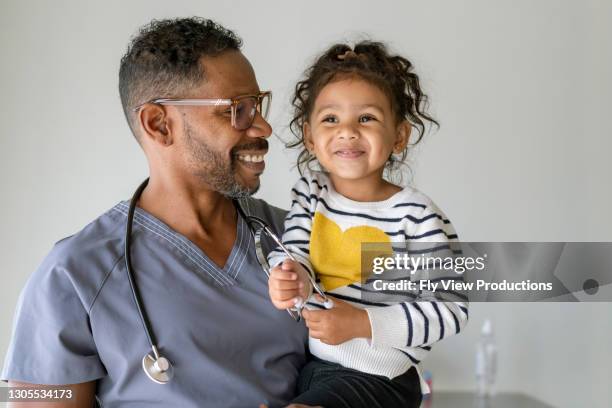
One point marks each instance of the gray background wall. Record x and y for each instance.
(522, 90)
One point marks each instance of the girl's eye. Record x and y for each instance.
(366, 118)
(330, 119)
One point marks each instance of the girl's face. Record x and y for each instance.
(352, 130)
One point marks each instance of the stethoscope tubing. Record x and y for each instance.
(130, 272)
(158, 368)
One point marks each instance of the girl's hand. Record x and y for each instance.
(341, 323)
(288, 282)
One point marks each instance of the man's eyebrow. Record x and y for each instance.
(245, 92)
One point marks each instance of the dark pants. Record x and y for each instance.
(332, 386)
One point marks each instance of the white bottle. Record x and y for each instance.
(486, 361)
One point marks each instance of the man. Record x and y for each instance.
(192, 253)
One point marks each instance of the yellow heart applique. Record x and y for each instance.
(336, 255)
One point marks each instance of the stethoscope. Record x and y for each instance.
(157, 367)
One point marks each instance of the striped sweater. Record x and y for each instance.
(324, 230)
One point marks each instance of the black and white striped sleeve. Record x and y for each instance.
(421, 323)
(298, 224)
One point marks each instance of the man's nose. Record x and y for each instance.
(260, 127)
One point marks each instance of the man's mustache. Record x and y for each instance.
(259, 144)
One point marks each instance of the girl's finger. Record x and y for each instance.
(310, 324)
(285, 304)
(315, 334)
(279, 274)
(284, 294)
(285, 285)
(312, 315)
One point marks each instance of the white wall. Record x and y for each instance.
(522, 90)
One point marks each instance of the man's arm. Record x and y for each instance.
(52, 341)
(83, 396)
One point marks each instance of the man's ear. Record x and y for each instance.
(308, 143)
(155, 124)
(402, 136)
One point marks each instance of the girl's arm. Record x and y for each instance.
(285, 275)
(421, 322)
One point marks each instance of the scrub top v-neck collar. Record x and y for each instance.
(228, 275)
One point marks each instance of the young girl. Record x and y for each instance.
(354, 113)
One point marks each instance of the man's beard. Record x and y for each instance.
(216, 170)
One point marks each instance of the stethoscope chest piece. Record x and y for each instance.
(160, 371)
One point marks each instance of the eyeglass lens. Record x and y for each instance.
(246, 108)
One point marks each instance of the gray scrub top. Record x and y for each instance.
(76, 320)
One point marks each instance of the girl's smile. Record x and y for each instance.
(349, 153)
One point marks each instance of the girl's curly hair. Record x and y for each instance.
(372, 62)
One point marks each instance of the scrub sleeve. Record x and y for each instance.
(52, 341)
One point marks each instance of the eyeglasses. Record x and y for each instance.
(243, 107)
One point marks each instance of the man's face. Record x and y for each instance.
(226, 160)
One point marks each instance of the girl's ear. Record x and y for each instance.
(403, 135)
(307, 137)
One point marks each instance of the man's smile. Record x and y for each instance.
(252, 160)
(254, 157)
